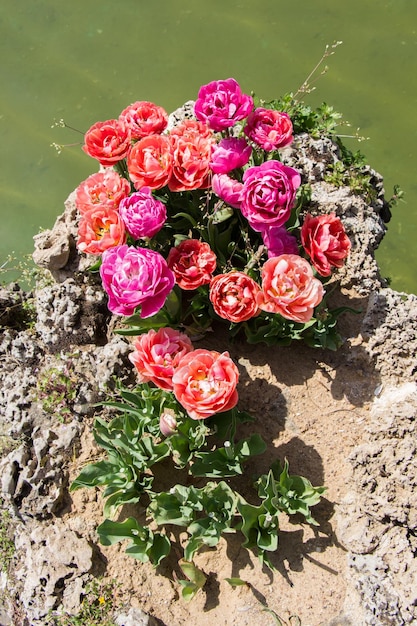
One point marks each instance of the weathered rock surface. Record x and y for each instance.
(381, 535)
(53, 568)
(391, 320)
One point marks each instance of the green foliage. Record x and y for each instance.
(323, 333)
(236, 582)
(57, 390)
(144, 545)
(317, 122)
(203, 449)
(7, 547)
(396, 197)
(278, 492)
(206, 513)
(96, 608)
(352, 171)
(292, 494)
(227, 460)
(196, 580)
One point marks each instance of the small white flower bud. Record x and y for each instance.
(168, 423)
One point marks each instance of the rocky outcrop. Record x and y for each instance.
(377, 522)
(363, 213)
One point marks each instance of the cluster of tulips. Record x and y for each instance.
(203, 207)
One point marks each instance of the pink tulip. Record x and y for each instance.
(289, 288)
(229, 154)
(227, 189)
(157, 354)
(204, 383)
(269, 129)
(268, 194)
(134, 277)
(325, 241)
(221, 104)
(142, 214)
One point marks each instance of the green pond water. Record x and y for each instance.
(86, 61)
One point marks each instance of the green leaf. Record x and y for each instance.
(133, 398)
(94, 474)
(221, 215)
(159, 320)
(225, 424)
(176, 507)
(180, 449)
(120, 406)
(186, 506)
(113, 532)
(278, 621)
(96, 266)
(215, 464)
(250, 525)
(119, 498)
(160, 548)
(193, 545)
(154, 552)
(186, 216)
(205, 531)
(259, 528)
(169, 315)
(172, 306)
(227, 461)
(196, 581)
(292, 494)
(268, 532)
(143, 544)
(236, 582)
(151, 451)
(252, 446)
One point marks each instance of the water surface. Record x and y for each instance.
(85, 62)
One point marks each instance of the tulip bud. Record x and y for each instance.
(229, 449)
(168, 423)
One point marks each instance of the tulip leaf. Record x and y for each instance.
(144, 545)
(196, 579)
(236, 582)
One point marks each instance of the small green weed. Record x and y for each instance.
(320, 121)
(96, 608)
(398, 196)
(293, 620)
(56, 389)
(7, 547)
(24, 271)
(351, 171)
(7, 444)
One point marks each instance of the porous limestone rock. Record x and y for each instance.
(51, 556)
(377, 523)
(70, 313)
